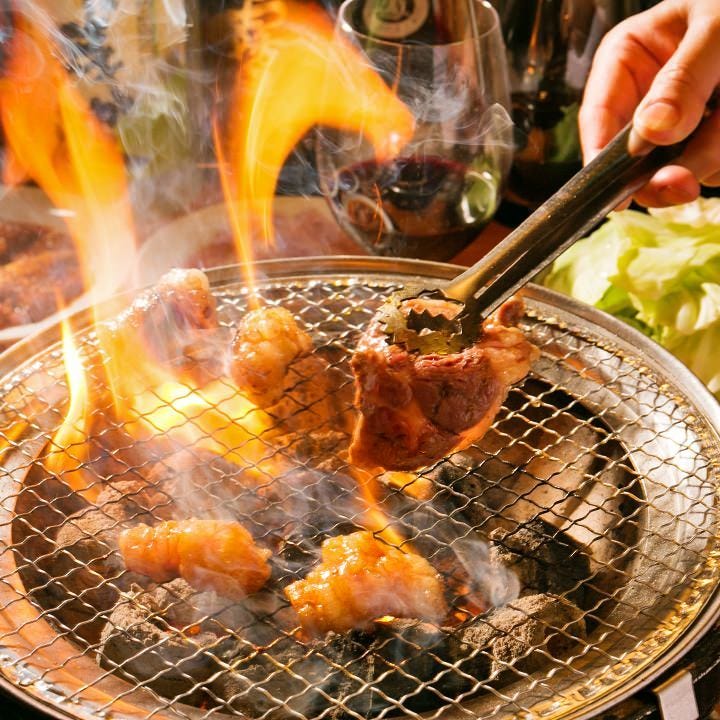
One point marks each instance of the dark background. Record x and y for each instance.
(10, 709)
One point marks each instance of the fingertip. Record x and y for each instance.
(597, 126)
(673, 195)
(673, 185)
(637, 144)
(659, 122)
(675, 182)
(675, 103)
(712, 180)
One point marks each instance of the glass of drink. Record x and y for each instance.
(437, 193)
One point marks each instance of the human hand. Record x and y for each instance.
(659, 69)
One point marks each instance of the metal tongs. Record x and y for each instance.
(613, 176)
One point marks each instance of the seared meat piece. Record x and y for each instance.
(267, 341)
(209, 554)
(361, 579)
(19, 238)
(30, 286)
(416, 409)
(165, 320)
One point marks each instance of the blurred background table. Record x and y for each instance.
(304, 227)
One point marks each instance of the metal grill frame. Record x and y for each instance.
(606, 333)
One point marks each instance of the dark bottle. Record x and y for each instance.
(395, 20)
(550, 46)
(411, 21)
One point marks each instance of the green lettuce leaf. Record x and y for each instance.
(584, 270)
(659, 272)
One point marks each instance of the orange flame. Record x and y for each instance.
(415, 486)
(237, 214)
(215, 417)
(155, 398)
(375, 518)
(54, 138)
(295, 73)
(69, 449)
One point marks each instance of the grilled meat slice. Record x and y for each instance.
(361, 579)
(30, 286)
(166, 320)
(208, 554)
(266, 343)
(415, 409)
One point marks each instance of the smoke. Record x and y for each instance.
(441, 533)
(491, 583)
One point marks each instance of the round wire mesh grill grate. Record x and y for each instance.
(596, 484)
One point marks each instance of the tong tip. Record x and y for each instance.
(422, 320)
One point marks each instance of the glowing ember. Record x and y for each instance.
(157, 391)
(161, 390)
(215, 417)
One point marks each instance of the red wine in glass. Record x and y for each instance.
(443, 184)
(424, 207)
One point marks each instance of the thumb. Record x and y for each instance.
(675, 103)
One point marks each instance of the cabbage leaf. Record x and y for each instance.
(659, 272)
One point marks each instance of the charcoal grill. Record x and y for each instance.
(610, 444)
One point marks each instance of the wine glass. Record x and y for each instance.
(436, 194)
